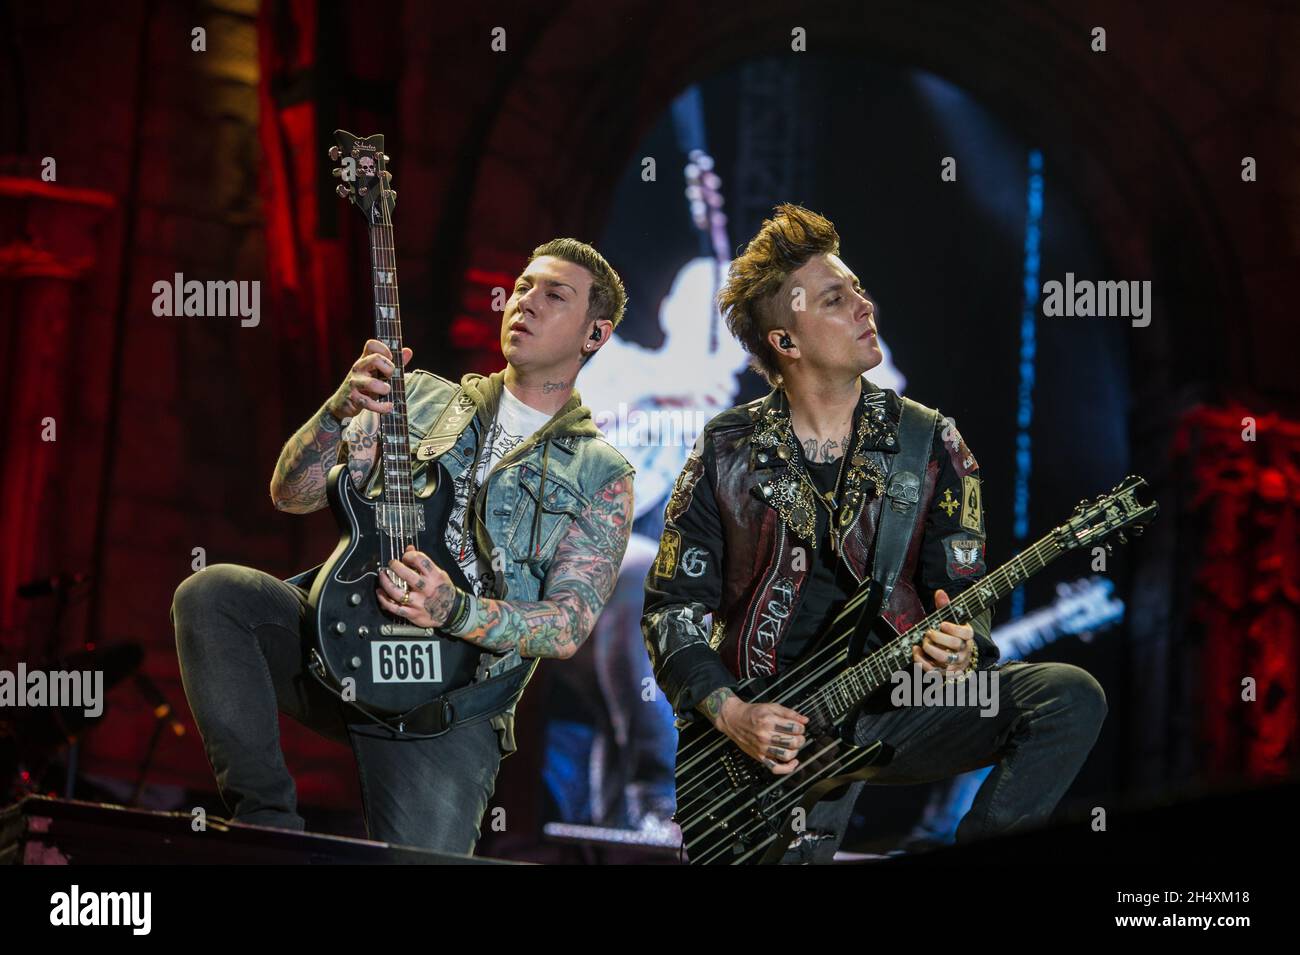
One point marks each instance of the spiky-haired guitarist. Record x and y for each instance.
(771, 527)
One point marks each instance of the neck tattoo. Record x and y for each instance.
(549, 387)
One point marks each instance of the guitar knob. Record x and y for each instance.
(354, 599)
(340, 627)
(335, 153)
(355, 663)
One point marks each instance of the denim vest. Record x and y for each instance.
(576, 460)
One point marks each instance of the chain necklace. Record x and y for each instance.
(825, 498)
(792, 493)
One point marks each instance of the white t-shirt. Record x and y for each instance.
(516, 423)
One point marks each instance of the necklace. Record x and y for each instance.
(828, 498)
(792, 491)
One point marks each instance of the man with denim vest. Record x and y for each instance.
(773, 525)
(541, 518)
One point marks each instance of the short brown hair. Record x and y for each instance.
(607, 298)
(783, 245)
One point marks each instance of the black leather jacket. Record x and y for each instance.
(733, 529)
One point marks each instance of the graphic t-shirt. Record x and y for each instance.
(516, 422)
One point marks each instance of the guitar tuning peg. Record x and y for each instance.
(362, 191)
(385, 157)
(342, 190)
(1109, 548)
(1138, 529)
(388, 176)
(1122, 538)
(335, 153)
(336, 172)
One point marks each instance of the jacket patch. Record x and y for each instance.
(965, 556)
(695, 562)
(670, 545)
(963, 461)
(972, 509)
(771, 623)
(684, 487)
(948, 503)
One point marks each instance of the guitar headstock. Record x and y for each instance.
(1110, 515)
(704, 192)
(362, 167)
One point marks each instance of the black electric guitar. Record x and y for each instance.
(383, 664)
(733, 810)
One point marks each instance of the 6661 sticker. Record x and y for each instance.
(406, 661)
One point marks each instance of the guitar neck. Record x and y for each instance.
(862, 679)
(395, 459)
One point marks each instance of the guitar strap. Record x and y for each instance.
(449, 426)
(903, 492)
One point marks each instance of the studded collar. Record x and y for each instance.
(773, 449)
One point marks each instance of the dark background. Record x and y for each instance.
(212, 164)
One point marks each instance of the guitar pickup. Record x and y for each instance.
(400, 517)
(405, 630)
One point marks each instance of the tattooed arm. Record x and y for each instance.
(298, 481)
(580, 579)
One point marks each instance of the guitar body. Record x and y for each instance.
(395, 666)
(731, 808)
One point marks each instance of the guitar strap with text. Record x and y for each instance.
(449, 426)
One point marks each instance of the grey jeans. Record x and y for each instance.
(242, 639)
(1049, 716)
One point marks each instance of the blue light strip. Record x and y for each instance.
(1028, 350)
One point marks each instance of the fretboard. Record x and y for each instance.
(859, 681)
(396, 449)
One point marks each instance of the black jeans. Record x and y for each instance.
(242, 642)
(1049, 715)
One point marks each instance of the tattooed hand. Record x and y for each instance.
(366, 382)
(430, 589)
(771, 733)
